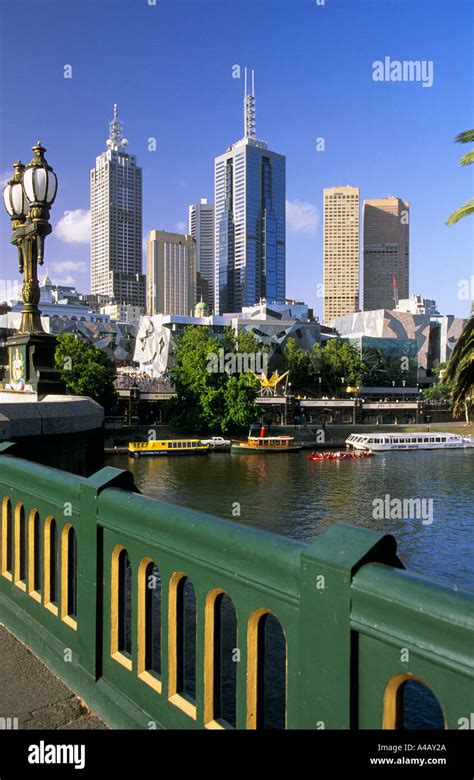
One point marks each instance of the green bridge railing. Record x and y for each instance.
(147, 610)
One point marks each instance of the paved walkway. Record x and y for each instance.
(30, 692)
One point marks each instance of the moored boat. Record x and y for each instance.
(165, 447)
(263, 443)
(381, 442)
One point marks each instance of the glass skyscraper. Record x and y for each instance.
(249, 221)
(116, 222)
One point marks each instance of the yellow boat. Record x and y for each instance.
(264, 444)
(167, 447)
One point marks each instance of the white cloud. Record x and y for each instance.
(5, 178)
(181, 227)
(68, 265)
(74, 227)
(301, 217)
(67, 281)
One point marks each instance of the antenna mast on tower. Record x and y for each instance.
(249, 109)
(115, 129)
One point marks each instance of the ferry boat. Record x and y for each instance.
(408, 441)
(167, 447)
(265, 444)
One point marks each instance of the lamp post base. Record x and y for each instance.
(31, 366)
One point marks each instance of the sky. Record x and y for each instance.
(170, 66)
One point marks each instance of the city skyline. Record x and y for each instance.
(416, 125)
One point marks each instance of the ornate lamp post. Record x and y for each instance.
(27, 198)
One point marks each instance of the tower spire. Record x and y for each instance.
(249, 109)
(115, 130)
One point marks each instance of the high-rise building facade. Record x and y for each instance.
(201, 228)
(249, 220)
(116, 222)
(171, 273)
(341, 252)
(386, 253)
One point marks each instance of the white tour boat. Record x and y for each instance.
(408, 441)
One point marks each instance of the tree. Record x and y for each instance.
(86, 370)
(336, 359)
(208, 396)
(301, 364)
(467, 159)
(340, 359)
(460, 370)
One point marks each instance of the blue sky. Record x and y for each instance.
(169, 68)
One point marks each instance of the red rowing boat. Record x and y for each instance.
(340, 455)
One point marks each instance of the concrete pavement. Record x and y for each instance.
(30, 692)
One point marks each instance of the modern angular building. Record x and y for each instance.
(341, 252)
(201, 228)
(435, 336)
(386, 252)
(249, 220)
(116, 222)
(272, 327)
(171, 272)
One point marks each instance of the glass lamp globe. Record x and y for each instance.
(39, 180)
(13, 194)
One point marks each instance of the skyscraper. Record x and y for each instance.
(116, 222)
(201, 228)
(386, 253)
(341, 252)
(171, 272)
(249, 220)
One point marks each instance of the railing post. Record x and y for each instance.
(327, 653)
(90, 565)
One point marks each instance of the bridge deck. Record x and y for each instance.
(34, 695)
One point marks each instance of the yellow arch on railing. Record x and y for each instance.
(392, 699)
(47, 565)
(142, 671)
(173, 695)
(209, 661)
(20, 549)
(6, 537)
(33, 518)
(65, 575)
(252, 664)
(116, 654)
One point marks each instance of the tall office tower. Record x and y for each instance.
(385, 275)
(249, 220)
(341, 252)
(116, 222)
(171, 273)
(201, 228)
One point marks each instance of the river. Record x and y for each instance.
(292, 496)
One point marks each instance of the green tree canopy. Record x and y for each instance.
(209, 398)
(301, 364)
(336, 359)
(341, 359)
(86, 370)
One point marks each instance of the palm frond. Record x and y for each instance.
(467, 159)
(462, 211)
(460, 368)
(467, 137)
